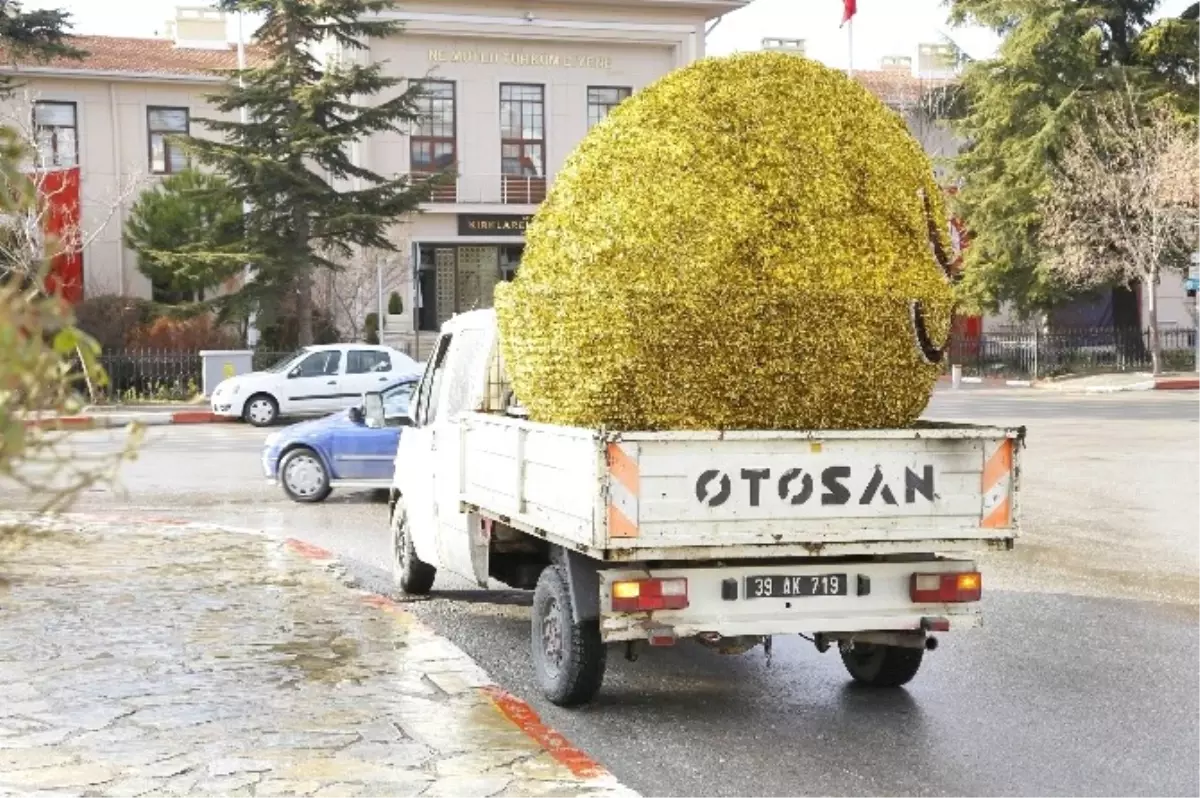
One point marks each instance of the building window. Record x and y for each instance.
(56, 129)
(602, 99)
(432, 147)
(523, 142)
(367, 361)
(166, 155)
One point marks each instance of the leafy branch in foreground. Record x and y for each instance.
(44, 363)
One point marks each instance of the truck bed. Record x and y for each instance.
(634, 496)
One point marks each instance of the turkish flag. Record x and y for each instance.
(851, 8)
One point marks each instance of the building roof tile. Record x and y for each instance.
(142, 56)
(898, 90)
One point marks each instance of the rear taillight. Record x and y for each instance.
(643, 595)
(945, 588)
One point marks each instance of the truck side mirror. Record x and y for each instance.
(373, 410)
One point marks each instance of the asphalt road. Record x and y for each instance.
(1082, 681)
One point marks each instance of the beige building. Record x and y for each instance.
(512, 90)
(110, 115)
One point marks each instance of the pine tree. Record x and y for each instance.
(291, 162)
(187, 233)
(1059, 60)
(41, 34)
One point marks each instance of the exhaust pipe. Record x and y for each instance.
(931, 643)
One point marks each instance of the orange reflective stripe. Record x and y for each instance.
(998, 465)
(999, 516)
(619, 526)
(623, 468)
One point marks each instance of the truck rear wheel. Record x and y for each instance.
(882, 666)
(410, 574)
(568, 656)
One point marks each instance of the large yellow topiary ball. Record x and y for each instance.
(752, 242)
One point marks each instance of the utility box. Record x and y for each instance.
(221, 364)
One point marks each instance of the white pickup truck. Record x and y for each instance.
(862, 539)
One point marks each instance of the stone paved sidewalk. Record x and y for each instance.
(181, 661)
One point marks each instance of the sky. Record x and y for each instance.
(881, 27)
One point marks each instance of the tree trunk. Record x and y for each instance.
(304, 305)
(1152, 318)
(304, 279)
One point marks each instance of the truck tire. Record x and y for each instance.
(882, 666)
(410, 574)
(568, 657)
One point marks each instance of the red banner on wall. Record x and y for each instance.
(58, 191)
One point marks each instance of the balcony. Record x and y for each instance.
(489, 190)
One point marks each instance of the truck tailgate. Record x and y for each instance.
(686, 495)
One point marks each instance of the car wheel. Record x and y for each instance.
(411, 575)
(261, 410)
(303, 476)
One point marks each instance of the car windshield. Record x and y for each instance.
(281, 365)
(396, 399)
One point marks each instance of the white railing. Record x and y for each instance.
(491, 190)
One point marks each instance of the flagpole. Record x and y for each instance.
(850, 42)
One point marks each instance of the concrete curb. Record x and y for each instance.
(990, 382)
(117, 420)
(1160, 384)
(1178, 384)
(1145, 385)
(516, 710)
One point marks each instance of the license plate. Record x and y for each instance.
(795, 586)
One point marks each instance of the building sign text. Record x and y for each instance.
(471, 224)
(520, 59)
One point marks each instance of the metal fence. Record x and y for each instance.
(149, 374)
(144, 374)
(1039, 355)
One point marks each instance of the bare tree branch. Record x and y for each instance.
(350, 293)
(1123, 202)
(23, 244)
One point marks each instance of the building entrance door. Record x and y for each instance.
(478, 271)
(455, 279)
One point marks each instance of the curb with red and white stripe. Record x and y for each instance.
(1177, 384)
(1159, 384)
(117, 420)
(588, 771)
(990, 382)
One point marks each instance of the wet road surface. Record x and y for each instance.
(1082, 680)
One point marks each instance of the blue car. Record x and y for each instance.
(312, 458)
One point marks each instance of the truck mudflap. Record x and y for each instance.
(770, 599)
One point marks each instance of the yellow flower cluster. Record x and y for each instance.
(738, 246)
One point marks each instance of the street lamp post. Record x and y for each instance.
(379, 295)
(1194, 283)
(244, 118)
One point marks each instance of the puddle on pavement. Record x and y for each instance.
(322, 660)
